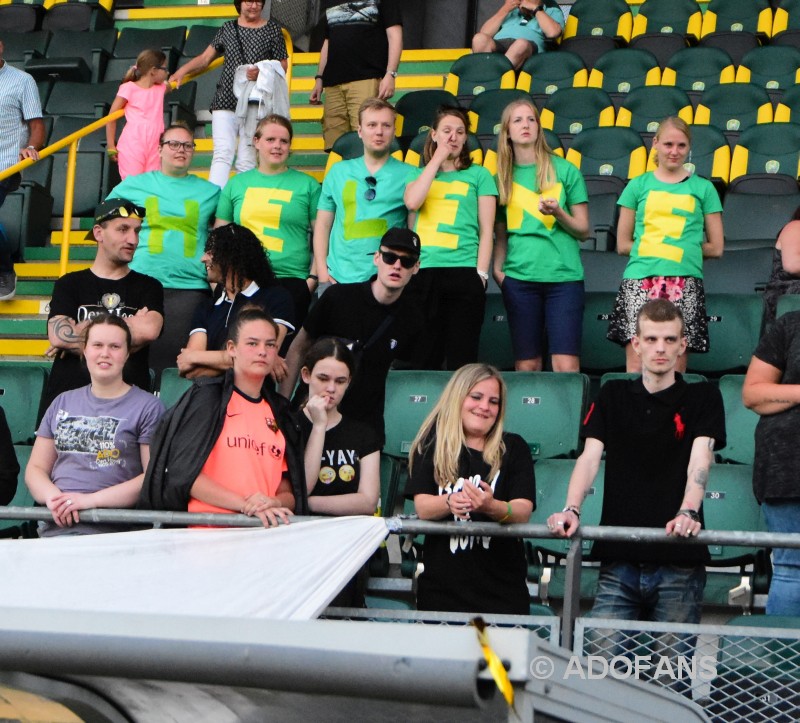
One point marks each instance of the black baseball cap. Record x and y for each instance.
(113, 208)
(402, 239)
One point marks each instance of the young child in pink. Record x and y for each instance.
(142, 96)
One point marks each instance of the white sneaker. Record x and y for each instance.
(8, 285)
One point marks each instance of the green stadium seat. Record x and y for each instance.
(389, 481)
(745, 229)
(543, 74)
(767, 150)
(609, 376)
(734, 326)
(75, 55)
(206, 88)
(21, 17)
(18, 48)
(611, 18)
(21, 390)
(80, 15)
(589, 48)
(476, 73)
(787, 303)
(416, 149)
(598, 354)
(172, 387)
(733, 107)
(198, 39)
(773, 67)
(490, 155)
(738, 16)
(740, 422)
(570, 111)
(495, 344)
(662, 45)
(350, 145)
(416, 111)
(788, 108)
(786, 23)
(620, 71)
(131, 41)
(644, 108)
(736, 45)
(679, 17)
(710, 157)
(545, 409)
(486, 109)
(695, 69)
(25, 215)
(22, 498)
(602, 271)
(89, 101)
(739, 271)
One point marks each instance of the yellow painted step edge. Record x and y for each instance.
(433, 80)
(299, 143)
(47, 269)
(24, 307)
(23, 347)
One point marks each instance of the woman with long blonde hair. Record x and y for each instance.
(543, 215)
(464, 467)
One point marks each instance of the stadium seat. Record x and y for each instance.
(132, 41)
(350, 145)
(609, 376)
(620, 71)
(495, 343)
(589, 48)
(416, 111)
(198, 39)
(490, 154)
(740, 422)
(663, 46)
(602, 270)
(21, 17)
(75, 55)
(786, 23)
(765, 151)
(695, 69)
(206, 88)
(710, 156)
(644, 108)
(738, 16)
(598, 354)
(21, 390)
(787, 303)
(545, 409)
(745, 229)
(172, 386)
(733, 107)
(788, 108)
(473, 74)
(678, 17)
(773, 67)
(78, 15)
(544, 73)
(81, 99)
(738, 271)
(18, 48)
(417, 146)
(572, 110)
(486, 109)
(25, 214)
(22, 498)
(736, 45)
(734, 326)
(610, 18)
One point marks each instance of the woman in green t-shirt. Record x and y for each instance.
(542, 217)
(452, 205)
(663, 215)
(279, 205)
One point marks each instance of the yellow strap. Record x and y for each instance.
(496, 667)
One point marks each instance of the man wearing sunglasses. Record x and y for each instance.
(361, 199)
(374, 318)
(180, 210)
(109, 286)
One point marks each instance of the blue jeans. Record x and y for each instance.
(784, 590)
(659, 593)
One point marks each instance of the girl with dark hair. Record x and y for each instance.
(142, 96)
(785, 276)
(237, 263)
(279, 205)
(230, 444)
(93, 443)
(452, 205)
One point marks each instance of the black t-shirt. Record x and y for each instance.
(468, 573)
(82, 295)
(648, 441)
(9, 466)
(345, 446)
(350, 312)
(214, 317)
(358, 48)
(777, 457)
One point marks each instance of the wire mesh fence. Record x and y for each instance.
(735, 673)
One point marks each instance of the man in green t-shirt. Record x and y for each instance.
(180, 209)
(361, 199)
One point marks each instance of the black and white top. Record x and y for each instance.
(248, 46)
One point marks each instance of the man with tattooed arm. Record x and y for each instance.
(659, 435)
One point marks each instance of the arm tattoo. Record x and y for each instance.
(64, 330)
(701, 477)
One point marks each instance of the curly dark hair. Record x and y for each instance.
(237, 251)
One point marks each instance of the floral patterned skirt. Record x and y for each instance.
(686, 292)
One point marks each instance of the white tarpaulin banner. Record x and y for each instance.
(291, 572)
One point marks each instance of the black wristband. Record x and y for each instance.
(313, 276)
(691, 514)
(317, 77)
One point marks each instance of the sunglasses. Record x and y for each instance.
(390, 259)
(177, 145)
(126, 211)
(369, 194)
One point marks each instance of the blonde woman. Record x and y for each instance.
(463, 467)
(543, 215)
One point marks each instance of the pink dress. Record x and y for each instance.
(144, 124)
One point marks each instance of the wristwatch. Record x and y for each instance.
(537, 9)
(393, 73)
(691, 514)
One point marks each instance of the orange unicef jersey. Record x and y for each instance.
(250, 454)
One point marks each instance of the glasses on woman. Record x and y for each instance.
(177, 145)
(369, 194)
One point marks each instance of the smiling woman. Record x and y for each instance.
(94, 442)
(464, 467)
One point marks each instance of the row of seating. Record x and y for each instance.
(25, 16)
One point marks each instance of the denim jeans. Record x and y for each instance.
(784, 590)
(659, 593)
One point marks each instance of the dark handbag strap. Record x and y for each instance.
(239, 40)
(383, 326)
